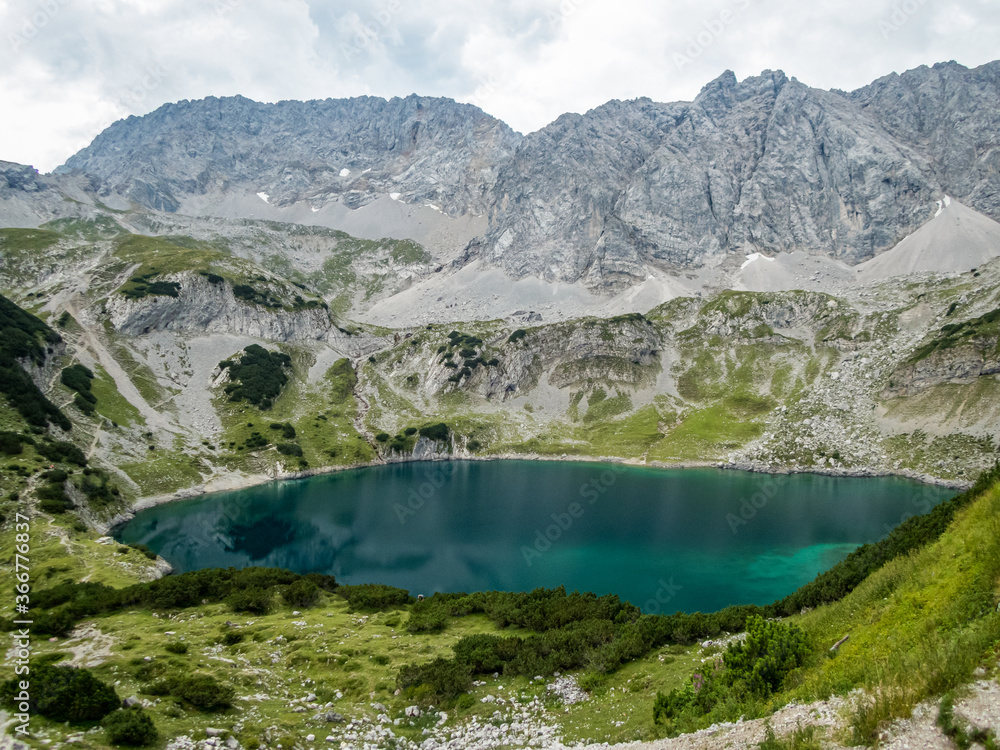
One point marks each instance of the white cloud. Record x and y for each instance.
(68, 69)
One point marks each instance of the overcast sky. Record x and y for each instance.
(69, 68)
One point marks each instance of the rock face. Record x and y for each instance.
(350, 151)
(961, 364)
(766, 165)
(202, 307)
(948, 114)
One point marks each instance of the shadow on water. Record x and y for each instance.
(691, 539)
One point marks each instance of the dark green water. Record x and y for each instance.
(666, 540)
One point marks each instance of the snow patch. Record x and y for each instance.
(942, 205)
(752, 257)
(436, 208)
(367, 170)
(345, 172)
(264, 197)
(395, 196)
(314, 209)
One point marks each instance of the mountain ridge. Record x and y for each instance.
(601, 199)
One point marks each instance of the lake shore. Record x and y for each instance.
(235, 482)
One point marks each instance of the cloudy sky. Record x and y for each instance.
(69, 68)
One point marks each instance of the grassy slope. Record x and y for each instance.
(919, 626)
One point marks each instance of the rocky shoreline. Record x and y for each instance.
(241, 482)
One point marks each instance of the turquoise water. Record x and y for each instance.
(666, 540)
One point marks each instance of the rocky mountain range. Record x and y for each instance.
(771, 275)
(765, 165)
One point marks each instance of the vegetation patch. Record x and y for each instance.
(983, 331)
(80, 379)
(257, 377)
(25, 337)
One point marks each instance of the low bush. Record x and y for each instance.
(131, 727)
(374, 596)
(287, 430)
(64, 694)
(426, 618)
(255, 599)
(258, 376)
(202, 691)
(749, 670)
(301, 593)
(440, 432)
(439, 681)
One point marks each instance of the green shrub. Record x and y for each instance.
(374, 596)
(382, 437)
(202, 691)
(145, 550)
(426, 618)
(440, 432)
(129, 726)
(517, 335)
(301, 593)
(10, 444)
(287, 430)
(247, 293)
(769, 652)
(176, 647)
(289, 449)
(258, 377)
(61, 451)
(26, 337)
(253, 599)
(83, 404)
(64, 694)
(443, 680)
(77, 378)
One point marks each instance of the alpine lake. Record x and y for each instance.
(664, 539)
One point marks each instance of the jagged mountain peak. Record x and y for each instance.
(346, 151)
(606, 199)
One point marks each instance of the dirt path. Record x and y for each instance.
(122, 381)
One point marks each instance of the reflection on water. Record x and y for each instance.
(664, 539)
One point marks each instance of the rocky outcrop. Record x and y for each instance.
(203, 307)
(608, 198)
(947, 113)
(962, 364)
(349, 151)
(763, 164)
